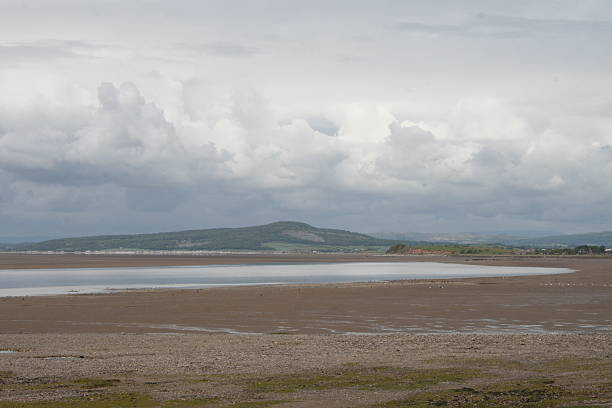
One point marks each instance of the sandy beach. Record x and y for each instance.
(500, 341)
(577, 302)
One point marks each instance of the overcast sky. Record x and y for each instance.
(151, 115)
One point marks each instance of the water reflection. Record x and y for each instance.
(26, 282)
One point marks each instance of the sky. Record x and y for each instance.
(383, 115)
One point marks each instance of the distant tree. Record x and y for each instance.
(397, 249)
(590, 249)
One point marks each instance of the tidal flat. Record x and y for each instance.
(529, 341)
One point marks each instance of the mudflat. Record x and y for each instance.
(14, 260)
(538, 341)
(577, 302)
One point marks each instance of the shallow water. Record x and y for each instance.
(32, 282)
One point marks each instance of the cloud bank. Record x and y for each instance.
(388, 128)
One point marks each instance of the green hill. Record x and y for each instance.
(290, 236)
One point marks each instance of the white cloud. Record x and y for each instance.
(447, 132)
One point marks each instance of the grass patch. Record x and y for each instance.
(120, 400)
(117, 400)
(90, 383)
(487, 363)
(189, 403)
(258, 404)
(594, 368)
(215, 378)
(576, 365)
(6, 374)
(81, 383)
(526, 394)
(375, 378)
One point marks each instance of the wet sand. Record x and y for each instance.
(575, 302)
(51, 260)
(487, 342)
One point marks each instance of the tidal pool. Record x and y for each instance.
(33, 282)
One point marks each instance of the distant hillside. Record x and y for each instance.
(553, 241)
(572, 240)
(10, 247)
(448, 238)
(285, 235)
(448, 249)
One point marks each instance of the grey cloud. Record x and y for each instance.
(13, 53)
(495, 158)
(126, 141)
(230, 50)
(500, 26)
(539, 25)
(323, 125)
(221, 49)
(128, 149)
(491, 135)
(428, 28)
(45, 50)
(155, 198)
(408, 137)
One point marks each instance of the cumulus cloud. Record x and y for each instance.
(416, 134)
(482, 159)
